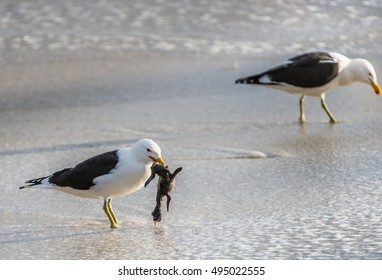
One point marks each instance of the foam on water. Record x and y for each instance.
(213, 27)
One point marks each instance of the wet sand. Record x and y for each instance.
(316, 194)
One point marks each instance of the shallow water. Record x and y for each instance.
(209, 27)
(255, 184)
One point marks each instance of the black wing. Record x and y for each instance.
(307, 70)
(82, 175)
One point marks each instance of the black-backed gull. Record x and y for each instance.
(111, 174)
(314, 74)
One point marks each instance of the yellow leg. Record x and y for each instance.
(325, 107)
(109, 213)
(302, 115)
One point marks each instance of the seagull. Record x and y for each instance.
(314, 74)
(107, 175)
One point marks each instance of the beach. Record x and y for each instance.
(255, 183)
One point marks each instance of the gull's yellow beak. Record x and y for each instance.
(376, 88)
(158, 160)
(161, 161)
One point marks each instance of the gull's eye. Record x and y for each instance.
(148, 150)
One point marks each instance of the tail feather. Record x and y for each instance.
(249, 80)
(40, 181)
(33, 182)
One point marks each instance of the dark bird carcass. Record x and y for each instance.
(166, 184)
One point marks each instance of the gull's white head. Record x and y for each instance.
(364, 72)
(149, 151)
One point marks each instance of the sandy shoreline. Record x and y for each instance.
(316, 196)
